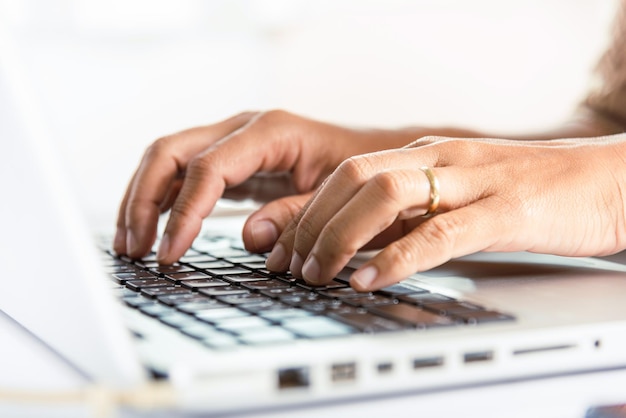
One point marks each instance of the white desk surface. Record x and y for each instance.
(26, 364)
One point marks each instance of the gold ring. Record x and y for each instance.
(434, 191)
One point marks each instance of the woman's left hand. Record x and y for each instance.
(562, 197)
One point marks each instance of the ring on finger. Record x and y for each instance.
(433, 204)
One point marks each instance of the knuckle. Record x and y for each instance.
(183, 209)
(199, 166)
(159, 148)
(443, 230)
(292, 207)
(356, 168)
(337, 240)
(425, 140)
(305, 231)
(273, 116)
(401, 255)
(245, 114)
(392, 185)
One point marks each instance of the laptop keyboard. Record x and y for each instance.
(223, 296)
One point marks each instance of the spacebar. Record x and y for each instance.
(413, 315)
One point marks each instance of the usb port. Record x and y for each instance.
(477, 356)
(296, 377)
(384, 367)
(343, 372)
(426, 362)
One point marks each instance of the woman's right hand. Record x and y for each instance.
(189, 171)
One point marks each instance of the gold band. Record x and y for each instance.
(434, 191)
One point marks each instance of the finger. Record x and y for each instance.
(263, 227)
(170, 196)
(372, 210)
(228, 163)
(119, 241)
(459, 232)
(163, 161)
(298, 238)
(281, 256)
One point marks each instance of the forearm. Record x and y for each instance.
(586, 122)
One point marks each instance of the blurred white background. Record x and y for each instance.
(113, 75)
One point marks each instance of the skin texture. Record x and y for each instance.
(557, 192)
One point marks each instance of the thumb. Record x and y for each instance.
(264, 226)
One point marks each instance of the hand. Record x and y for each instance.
(563, 197)
(189, 171)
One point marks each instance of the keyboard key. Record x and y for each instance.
(204, 283)
(280, 315)
(316, 327)
(156, 309)
(201, 330)
(227, 271)
(421, 299)
(122, 292)
(166, 270)
(344, 292)
(244, 277)
(239, 324)
(201, 305)
(207, 245)
(246, 298)
(124, 268)
(153, 292)
(367, 322)
(177, 319)
(451, 307)
(223, 291)
(137, 285)
(196, 258)
(370, 300)
(324, 305)
(175, 300)
(332, 285)
(265, 335)
(122, 278)
(259, 265)
(260, 306)
(228, 252)
(248, 258)
(418, 317)
(400, 289)
(189, 275)
(137, 301)
(265, 284)
(299, 300)
(220, 341)
(480, 317)
(214, 315)
(108, 261)
(217, 264)
(280, 292)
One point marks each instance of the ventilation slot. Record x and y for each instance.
(427, 362)
(477, 356)
(535, 350)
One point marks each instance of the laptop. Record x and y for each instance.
(217, 333)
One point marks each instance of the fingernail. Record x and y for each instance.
(365, 277)
(277, 260)
(296, 264)
(120, 240)
(164, 248)
(311, 269)
(131, 242)
(264, 233)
